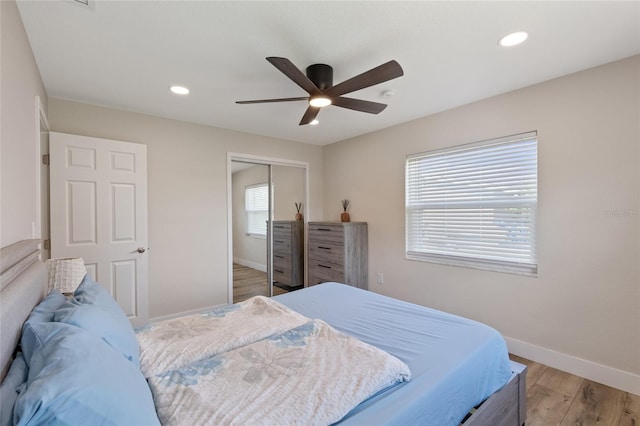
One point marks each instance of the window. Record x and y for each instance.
(256, 206)
(474, 205)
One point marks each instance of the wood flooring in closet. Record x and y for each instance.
(248, 282)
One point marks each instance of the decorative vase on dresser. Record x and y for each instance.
(338, 251)
(288, 254)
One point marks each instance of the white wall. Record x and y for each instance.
(187, 179)
(585, 302)
(20, 83)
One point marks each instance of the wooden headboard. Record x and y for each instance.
(23, 283)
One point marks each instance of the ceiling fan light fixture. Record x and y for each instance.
(320, 101)
(314, 122)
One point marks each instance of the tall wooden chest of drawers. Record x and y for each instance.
(288, 254)
(339, 251)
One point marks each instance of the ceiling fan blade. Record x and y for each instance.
(287, 68)
(309, 115)
(359, 105)
(264, 101)
(380, 74)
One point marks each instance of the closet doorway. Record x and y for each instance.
(262, 197)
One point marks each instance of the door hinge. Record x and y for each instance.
(45, 159)
(46, 244)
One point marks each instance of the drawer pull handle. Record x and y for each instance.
(278, 241)
(324, 229)
(325, 266)
(324, 248)
(278, 256)
(278, 270)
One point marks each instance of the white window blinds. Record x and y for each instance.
(256, 206)
(474, 205)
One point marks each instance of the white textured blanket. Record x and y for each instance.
(175, 343)
(309, 375)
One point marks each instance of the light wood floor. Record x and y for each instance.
(558, 398)
(553, 396)
(248, 282)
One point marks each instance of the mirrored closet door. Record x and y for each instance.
(267, 225)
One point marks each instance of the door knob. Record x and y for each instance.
(140, 250)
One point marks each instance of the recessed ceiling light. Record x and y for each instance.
(513, 39)
(179, 90)
(314, 122)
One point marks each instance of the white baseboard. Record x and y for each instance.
(619, 379)
(181, 314)
(250, 264)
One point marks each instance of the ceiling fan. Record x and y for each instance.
(318, 82)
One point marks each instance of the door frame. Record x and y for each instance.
(269, 161)
(42, 214)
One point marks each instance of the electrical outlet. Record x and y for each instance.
(380, 278)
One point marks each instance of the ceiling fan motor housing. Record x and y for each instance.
(321, 75)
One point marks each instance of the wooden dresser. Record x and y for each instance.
(338, 252)
(288, 254)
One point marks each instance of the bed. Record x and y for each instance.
(457, 369)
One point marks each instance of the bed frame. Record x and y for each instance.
(23, 279)
(508, 406)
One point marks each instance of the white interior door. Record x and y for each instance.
(98, 201)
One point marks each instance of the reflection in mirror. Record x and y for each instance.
(288, 185)
(250, 210)
(288, 228)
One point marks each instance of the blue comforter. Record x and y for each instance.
(455, 363)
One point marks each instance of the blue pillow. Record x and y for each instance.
(43, 312)
(16, 376)
(94, 310)
(76, 378)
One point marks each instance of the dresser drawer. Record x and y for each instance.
(326, 252)
(282, 250)
(282, 234)
(320, 272)
(281, 260)
(282, 226)
(282, 276)
(280, 243)
(328, 233)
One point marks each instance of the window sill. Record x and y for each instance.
(485, 265)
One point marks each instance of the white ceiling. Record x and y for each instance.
(125, 55)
